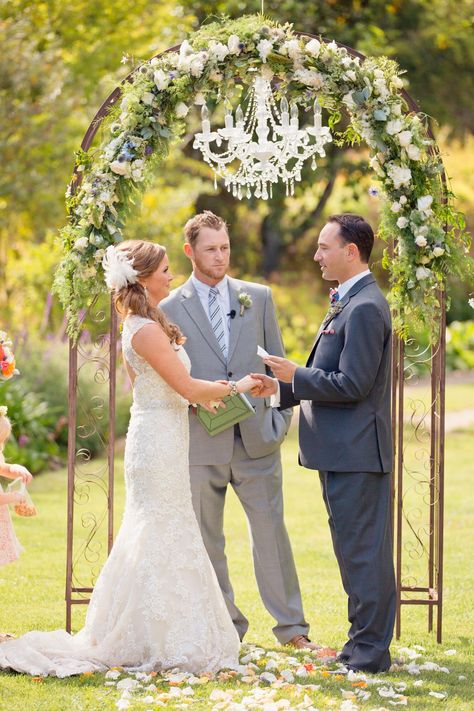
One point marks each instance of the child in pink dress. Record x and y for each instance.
(10, 548)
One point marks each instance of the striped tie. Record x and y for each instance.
(215, 314)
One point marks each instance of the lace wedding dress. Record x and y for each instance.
(157, 603)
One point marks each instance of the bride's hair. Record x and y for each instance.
(145, 257)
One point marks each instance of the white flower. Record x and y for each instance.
(181, 110)
(402, 222)
(196, 66)
(399, 175)
(424, 203)
(233, 44)
(404, 138)
(309, 77)
(148, 98)
(292, 48)
(393, 127)
(350, 74)
(99, 255)
(421, 241)
(402, 199)
(185, 49)
(471, 303)
(413, 152)
(395, 207)
(199, 99)
(349, 101)
(438, 251)
(396, 109)
(215, 76)
(313, 47)
(422, 273)
(120, 167)
(81, 244)
(218, 50)
(397, 82)
(264, 47)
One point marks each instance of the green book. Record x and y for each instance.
(237, 408)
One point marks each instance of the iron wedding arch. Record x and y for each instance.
(418, 471)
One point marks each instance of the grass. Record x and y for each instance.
(32, 595)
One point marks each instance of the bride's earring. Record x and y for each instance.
(146, 291)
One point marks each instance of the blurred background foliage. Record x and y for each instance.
(59, 61)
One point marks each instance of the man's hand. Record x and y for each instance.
(282, 368)
(265, 386)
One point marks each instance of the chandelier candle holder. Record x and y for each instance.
(263, 146)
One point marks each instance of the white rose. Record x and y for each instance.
(394, 126)
(413, 152)
(402, 222)
(233, 44)
(181, 110)
(402, 199)
(185, 48)
(81, 244)
(313, 47)
(218, 50)
(404, 138)
(293, 48)
(421, 241)
(161, 79)
(148, 98)
(396, 207)
(196, 66)
(424, 203)
(120, 167)
(438, 251)
(422, 273)
(351, 75)
(399, 175)
(199, 99)
(310, 78)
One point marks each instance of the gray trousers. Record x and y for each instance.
(359, 510)
(258, 485)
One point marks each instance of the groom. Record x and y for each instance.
(224, 320)
(345, 433)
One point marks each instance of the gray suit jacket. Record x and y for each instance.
(345, 388)
(263, 432)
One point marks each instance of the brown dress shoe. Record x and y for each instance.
(303, 642)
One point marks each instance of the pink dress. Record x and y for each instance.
(10, 547)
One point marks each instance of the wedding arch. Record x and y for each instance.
(425, 244)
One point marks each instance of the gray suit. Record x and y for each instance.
(247, 456)
(345, 432)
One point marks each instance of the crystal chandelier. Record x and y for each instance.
(251, 159)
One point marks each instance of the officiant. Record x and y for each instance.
(224, 319)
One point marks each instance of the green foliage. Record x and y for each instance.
(460, 345)
(33, 440)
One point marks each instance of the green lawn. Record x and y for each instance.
(32, 597)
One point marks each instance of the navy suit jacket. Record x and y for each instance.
(345, 389)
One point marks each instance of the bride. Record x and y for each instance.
(157, 603)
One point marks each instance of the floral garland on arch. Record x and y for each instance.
(428, 232)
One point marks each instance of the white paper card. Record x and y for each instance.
(262, 352)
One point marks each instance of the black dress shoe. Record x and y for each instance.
(356, 670)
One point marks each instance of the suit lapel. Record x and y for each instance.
(192, 304)
(236, 322)
(368, 279)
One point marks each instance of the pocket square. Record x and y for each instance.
(328, 332)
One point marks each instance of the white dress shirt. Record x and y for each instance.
(342, 290)
(223, 299)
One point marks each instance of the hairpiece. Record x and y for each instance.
(118, 269)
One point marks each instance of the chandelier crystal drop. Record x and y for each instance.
(263, 145)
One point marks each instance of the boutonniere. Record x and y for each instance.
(245, 301)
(334, 309)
